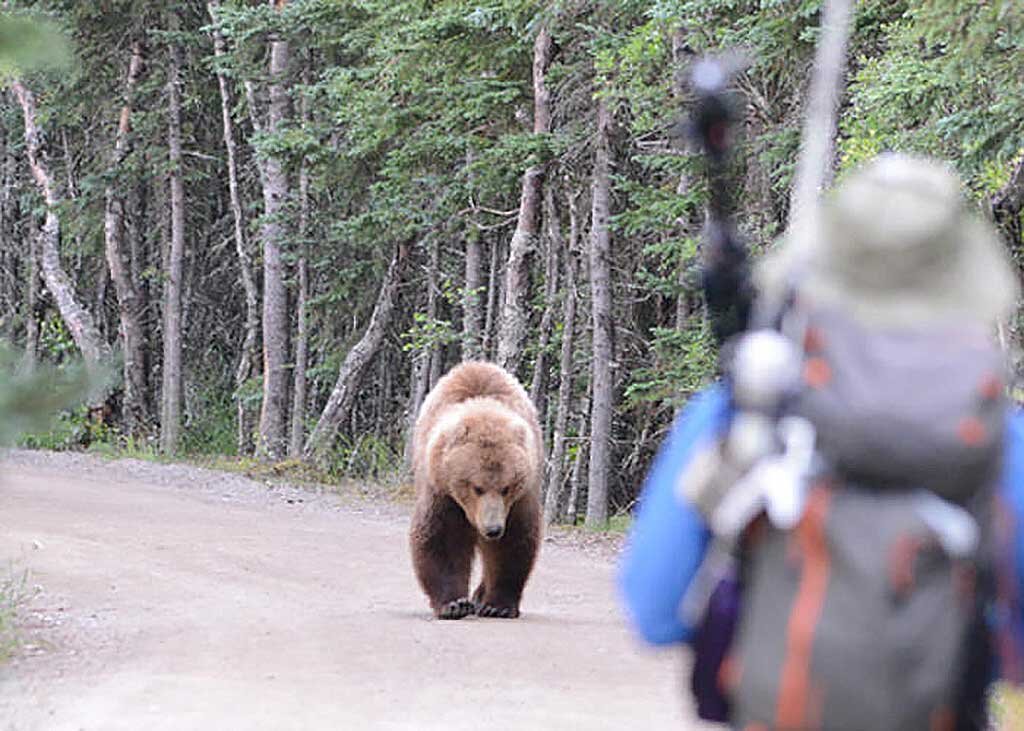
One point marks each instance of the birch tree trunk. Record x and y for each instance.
(555, 479)
(78, 320)
(247, 356)
(129, 303)
(601, 314)
(274, 410)
(350, 374)
(514, 321)
(170, 411)
(298, 417)
(494, 290)
(472, 302)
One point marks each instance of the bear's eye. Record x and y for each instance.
(504, 491)
(478, 490)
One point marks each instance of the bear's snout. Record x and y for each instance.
(494, 532)
(491, 514)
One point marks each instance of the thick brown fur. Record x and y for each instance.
(478, 460)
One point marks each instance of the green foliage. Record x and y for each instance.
(947, 84)
(68, 430)
(427, 333)
(683, 362)
(212, 428)
(365, 456)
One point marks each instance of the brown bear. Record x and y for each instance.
(477, 459)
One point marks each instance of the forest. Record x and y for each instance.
(276, 224)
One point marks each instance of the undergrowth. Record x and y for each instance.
(13, 594)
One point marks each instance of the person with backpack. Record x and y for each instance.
(833, 526)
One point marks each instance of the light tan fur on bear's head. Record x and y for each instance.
(480, 453)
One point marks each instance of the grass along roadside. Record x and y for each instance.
(14, 593)
(388, 481)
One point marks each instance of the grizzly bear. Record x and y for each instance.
(477, 459)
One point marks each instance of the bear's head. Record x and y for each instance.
(481, 457)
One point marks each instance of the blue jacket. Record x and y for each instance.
(669, 537)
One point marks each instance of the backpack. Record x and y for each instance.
(867, 610)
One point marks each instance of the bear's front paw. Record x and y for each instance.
(490, 610)
(456, 609)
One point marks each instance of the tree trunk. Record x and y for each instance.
(31, 355)
(423, 360)
(572, 510)
(128, 302)
(472, 302)
(359, 357)
(686, 227)
(600, 283)
(493, 297)
(514, 322)
(78, 320)
(814, 166)
(298, 418)
(539, 382)
(553, 492)
(8, 222)
(247, 356)
(433, 308)
(171, 392)
(274, 411)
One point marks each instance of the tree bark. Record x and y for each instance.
(601, 312)
(31, 354)
(247, 356)
(687, 226)
(128, 301)
(77, 318)
(494, 289)
(539, 382)
(171, 392)
(433, 308)
(514, 322)
(582, 456)
(472, 302)
(274, 410)
(298, 418)
(339, 404)
(553, 491)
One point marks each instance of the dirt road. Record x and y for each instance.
(177, 598)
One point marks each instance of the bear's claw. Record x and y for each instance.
(489, 610)
(456, 609)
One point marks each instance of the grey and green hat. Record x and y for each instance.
(895, 245)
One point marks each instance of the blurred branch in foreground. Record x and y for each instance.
(30, 42)
(31, 398)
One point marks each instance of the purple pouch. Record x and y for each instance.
(711, 645)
